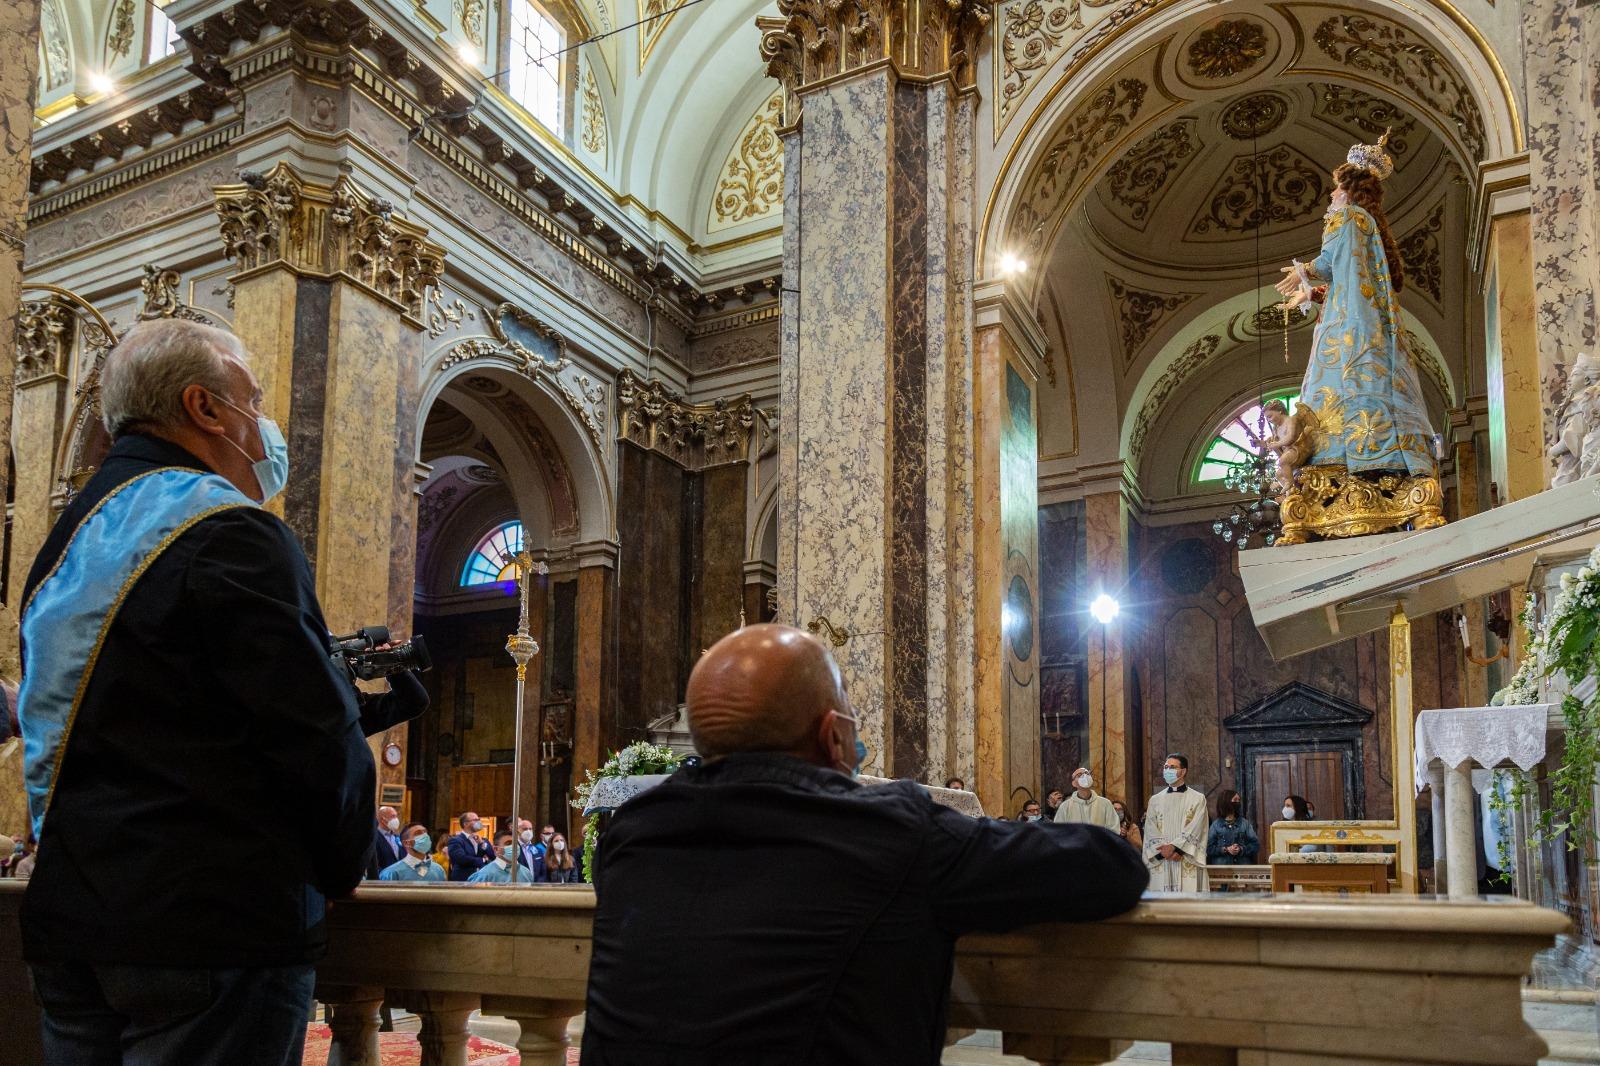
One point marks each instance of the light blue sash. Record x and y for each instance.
(65, 621)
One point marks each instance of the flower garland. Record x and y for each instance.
(640, 757)
(1566, 645)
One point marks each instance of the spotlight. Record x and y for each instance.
(468, 54)
(101, 83)
(1010, 264)
(1104, 609)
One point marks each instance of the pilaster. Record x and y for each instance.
(1515, 370)
(327, 299)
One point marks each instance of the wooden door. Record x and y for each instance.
(1316, 775)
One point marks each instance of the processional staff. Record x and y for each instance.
(521, 647)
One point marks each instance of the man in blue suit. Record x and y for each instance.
(467, 850)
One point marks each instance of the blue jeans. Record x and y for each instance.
(155, 1016)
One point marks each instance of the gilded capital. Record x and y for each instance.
(809, 41)
(693, 435)
(327, 230)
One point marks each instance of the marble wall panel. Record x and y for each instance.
(561, 658)
(1106, 552)
(306, 425)
(1189, 676)
(1514, 374)
(595, 702)
(651, 593)
(788, 560)
(719, 588)
(1019, 611)
(38, 415)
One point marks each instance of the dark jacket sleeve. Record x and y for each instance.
(1252, 844)
(992, 876)
(263, 631)
(381, 711)
(1214, 853)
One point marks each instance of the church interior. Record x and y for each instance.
(949, 333)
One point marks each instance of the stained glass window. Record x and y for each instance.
(1236, 440)
(535, 63)
(490, 562)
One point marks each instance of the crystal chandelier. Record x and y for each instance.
(1255, 518)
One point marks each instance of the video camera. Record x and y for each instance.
(358, 653)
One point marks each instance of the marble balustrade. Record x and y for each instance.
(1243, 981)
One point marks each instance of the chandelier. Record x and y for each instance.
(1254, 518)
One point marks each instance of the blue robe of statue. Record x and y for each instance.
(1361, 380)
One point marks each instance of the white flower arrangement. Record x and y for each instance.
(640, 757)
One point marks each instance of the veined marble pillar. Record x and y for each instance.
(19, 89)
(594, 698)
(1402, 715)
(327, 300)
(877, 376)
(1106, 536)
(1511, 343)
(1561, 58)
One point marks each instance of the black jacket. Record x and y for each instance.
(759, 911)
(213, 699)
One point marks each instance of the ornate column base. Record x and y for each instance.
(1329, 502)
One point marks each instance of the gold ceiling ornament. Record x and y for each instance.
(812, 40)
(470, 14)
(1137, 181)
(327, 230)
(751, 185)
(1394, 55)
(1254, 116)
(1141, 312)
(693, 435)
(1227, 49)
(120, 37)
(1035, 33)
(1328, 502)
(1199, 353)
(1277, 188)
(1419, 251)
(46, 332)
(1362, 114)
(592, 117)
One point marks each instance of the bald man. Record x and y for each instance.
(764, 907)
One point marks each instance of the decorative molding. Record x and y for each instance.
(46, 333)
(470, 14)
(120, 36)
(592, 117)
(55, 45)
(1394, 55)
(1227, 49)
(443, 317)
(750, 183)
(159, 288)
(693, 435)
(1419, 250)
(1101, 120)
(1279, 187)
(1363, 116)
(1141, 177)
(321, 230)
(811, 40)
(136, 131)
(654, 15)
(1141, 312)
(1193, 358)
(1254, 116)
(1035, 33)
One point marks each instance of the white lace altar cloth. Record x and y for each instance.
(612, 792)
(1487, 736)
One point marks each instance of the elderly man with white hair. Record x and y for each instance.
(175, 669)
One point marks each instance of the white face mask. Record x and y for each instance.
(393, 825)
(1084, 782)
(1288, 813)
(560, 845)
(1032, 817)
(527, 836)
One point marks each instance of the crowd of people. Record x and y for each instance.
(412, 853)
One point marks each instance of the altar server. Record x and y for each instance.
(1086, 806)
(418, 865)
(1175, 826)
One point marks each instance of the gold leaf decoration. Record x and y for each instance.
(470, 14)
(1229, 48)
(750, 184)
(592, 119)
(1193, 358)
(1142, 312)
(120, 39)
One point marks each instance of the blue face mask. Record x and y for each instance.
(861, 757)
(508, 852)
(422, 843)
(272, 469)
(1170, 776)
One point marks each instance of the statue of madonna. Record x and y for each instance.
(1361, 382)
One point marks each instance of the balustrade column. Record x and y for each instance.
(444, 1025)
(1441, 863)
(542, 1040)
(353, 1021)
(1461, 846)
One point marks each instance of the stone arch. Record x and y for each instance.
(1127, 72)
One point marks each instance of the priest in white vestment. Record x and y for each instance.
(1175, 826)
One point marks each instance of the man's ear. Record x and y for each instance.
(203, 409)
(829, 742)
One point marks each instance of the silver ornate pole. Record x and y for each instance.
(521, 647)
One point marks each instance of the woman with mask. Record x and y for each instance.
(561, 867)
(1232, 840)
(1128, 825)
(1296, 809)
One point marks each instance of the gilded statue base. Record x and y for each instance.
(1328, 502)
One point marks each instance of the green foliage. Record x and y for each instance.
(637, 759)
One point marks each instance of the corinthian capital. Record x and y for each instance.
(323, 230)
(810, 41)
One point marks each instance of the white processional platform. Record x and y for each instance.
(1312, 595)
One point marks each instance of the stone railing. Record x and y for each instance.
(1245, 981)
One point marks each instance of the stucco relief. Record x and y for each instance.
(1273, 190)
(1193, 358)
(734, 348)
(151, 203)
(1142, 176)
(56, 45)
(750, 182)
(592, 117)
(1140, 313)
(1419, 250)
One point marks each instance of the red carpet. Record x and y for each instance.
(400, 1049)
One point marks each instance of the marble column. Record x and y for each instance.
(1402, 715)
(1515, 372)
(1561, 61)
(327, 300)
(19, 90)
(1460, 842)
(1106, 535)
(1441, 861)
(879, 497)
(594, 698)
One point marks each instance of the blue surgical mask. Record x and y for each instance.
(508, 852)
(1170, 776)
(272, 469)
(423, 843)
(861, 757)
